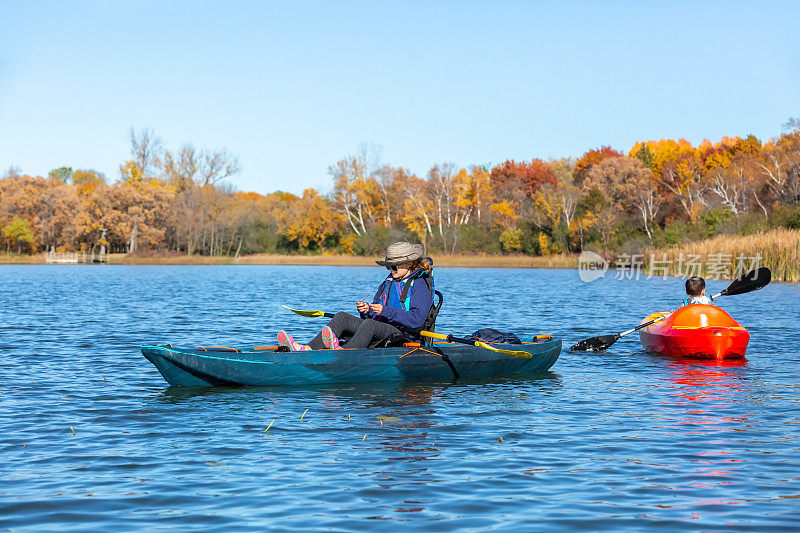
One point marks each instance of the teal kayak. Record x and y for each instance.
(219, 366)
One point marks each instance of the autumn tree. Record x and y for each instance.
(592, 157)
(444, 182)
(737, 180)
(12, 171)
(568, 192)
(190, 166)
(140, 209)
(628, 185)
(679, 168)
(80, 177)
(386, 179)
(781, 164)
(357, 192)
(311, 220)
(521, 179)
(418, 208)
(17, 233)
(56, 210)
(147, 150)
(473, 193)
(93, 207)
(63, 174)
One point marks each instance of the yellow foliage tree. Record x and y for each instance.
(544, 243)
(311, 220)
(473, 193)
(511, 240)
(679, 168)
(505, 213)
(416, 218)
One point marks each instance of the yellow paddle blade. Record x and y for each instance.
(305, 313)
(512, 353)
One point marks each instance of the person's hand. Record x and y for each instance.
(362, 307)
(376, 308)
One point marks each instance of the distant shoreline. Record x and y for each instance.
(718, 257)
(458, 260)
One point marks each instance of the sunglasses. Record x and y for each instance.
(394, 268)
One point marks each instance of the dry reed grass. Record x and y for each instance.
(22, 259)
(475, 261)
(778, 249)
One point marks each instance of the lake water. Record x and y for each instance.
(91, 437)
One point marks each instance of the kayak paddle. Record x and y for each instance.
(752, 281)
(309, 313)
(440, 336)
(449, 338)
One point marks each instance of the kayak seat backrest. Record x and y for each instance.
(430, 322)
(428, 325)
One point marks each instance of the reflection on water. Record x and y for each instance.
(708, 391)
(708, 395)
(92, 437)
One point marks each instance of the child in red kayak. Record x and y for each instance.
(401, 305)
(696, 291)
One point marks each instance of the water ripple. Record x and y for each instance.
(91, 437)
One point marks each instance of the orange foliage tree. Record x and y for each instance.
(592, 157)
(514, 178)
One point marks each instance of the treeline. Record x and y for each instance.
(659, 193)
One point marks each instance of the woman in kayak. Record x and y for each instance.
(401, 305)
(696, 291)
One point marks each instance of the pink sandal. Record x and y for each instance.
(284, 339)
(329, 340)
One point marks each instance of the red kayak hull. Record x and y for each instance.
(696, 331)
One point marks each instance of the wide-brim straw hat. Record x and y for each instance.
(401, 252)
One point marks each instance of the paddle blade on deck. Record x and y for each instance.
(451, 338)
(513, 353)
(595, 344)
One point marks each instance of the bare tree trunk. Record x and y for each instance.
(761, 205)
(213, 230)
(361, 220)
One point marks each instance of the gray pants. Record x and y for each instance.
(363, 331)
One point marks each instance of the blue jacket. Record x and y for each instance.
(408, 315)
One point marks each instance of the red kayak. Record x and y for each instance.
(699, 331)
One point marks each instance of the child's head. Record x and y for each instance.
(695, 286)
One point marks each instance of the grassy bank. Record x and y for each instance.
(777, 249)
(458, 260)
(503, 261)
(21, 259)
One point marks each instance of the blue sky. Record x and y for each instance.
(290, 87)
